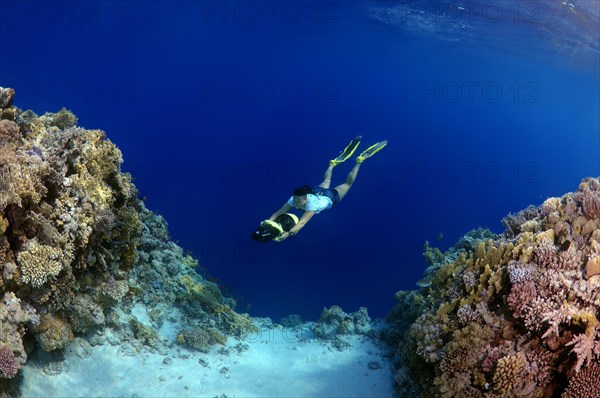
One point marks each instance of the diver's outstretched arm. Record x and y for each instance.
(284, 209)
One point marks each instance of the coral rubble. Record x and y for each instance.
(511, 316)
(79, 251)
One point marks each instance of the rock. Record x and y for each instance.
(6, 97)
(592, 267)
(561, 227)
(80, 347)
(53, 333)
(55, 368)
(589, 227)
(548, 234)
(374, 365)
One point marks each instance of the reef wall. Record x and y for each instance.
(514, 315)
(78, 249)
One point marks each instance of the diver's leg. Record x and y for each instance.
(345, 187)
(327, 177)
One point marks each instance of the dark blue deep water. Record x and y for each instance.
(222, 108)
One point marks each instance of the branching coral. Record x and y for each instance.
(534, 291)
(508, 377)
(587, 348)
(523, 221)
(39, 262)
(14, 316)
(584, 384)
(8, 363)
(115, 290)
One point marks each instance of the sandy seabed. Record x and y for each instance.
(275, 362)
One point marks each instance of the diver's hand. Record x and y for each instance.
(282, 237)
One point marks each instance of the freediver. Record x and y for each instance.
(313, 200)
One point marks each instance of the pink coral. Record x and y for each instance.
(545, 254)
(569, 259)
(520, 298)
(587, 291)
(489, 363)
(466, 314)
(550, 285)
(585, 383)
(518, 272)
(540, 365)
(8, 363)
(539, 311)
(586, 347)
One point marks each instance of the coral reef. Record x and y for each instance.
(8, 363)
(79, 252)
(334, 325)
(166, 278)
(514, 315)
(334, 321)
(201, 338)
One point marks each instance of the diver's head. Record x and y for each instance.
(300, 198)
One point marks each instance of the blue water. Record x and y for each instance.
(222, 108)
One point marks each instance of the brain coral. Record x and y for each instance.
(52, 333)
(512, 316)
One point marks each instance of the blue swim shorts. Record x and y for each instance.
(332, 194)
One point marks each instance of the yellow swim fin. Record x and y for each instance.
(347, 152)
(370, 151)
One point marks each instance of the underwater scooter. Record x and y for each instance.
(273, 230)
